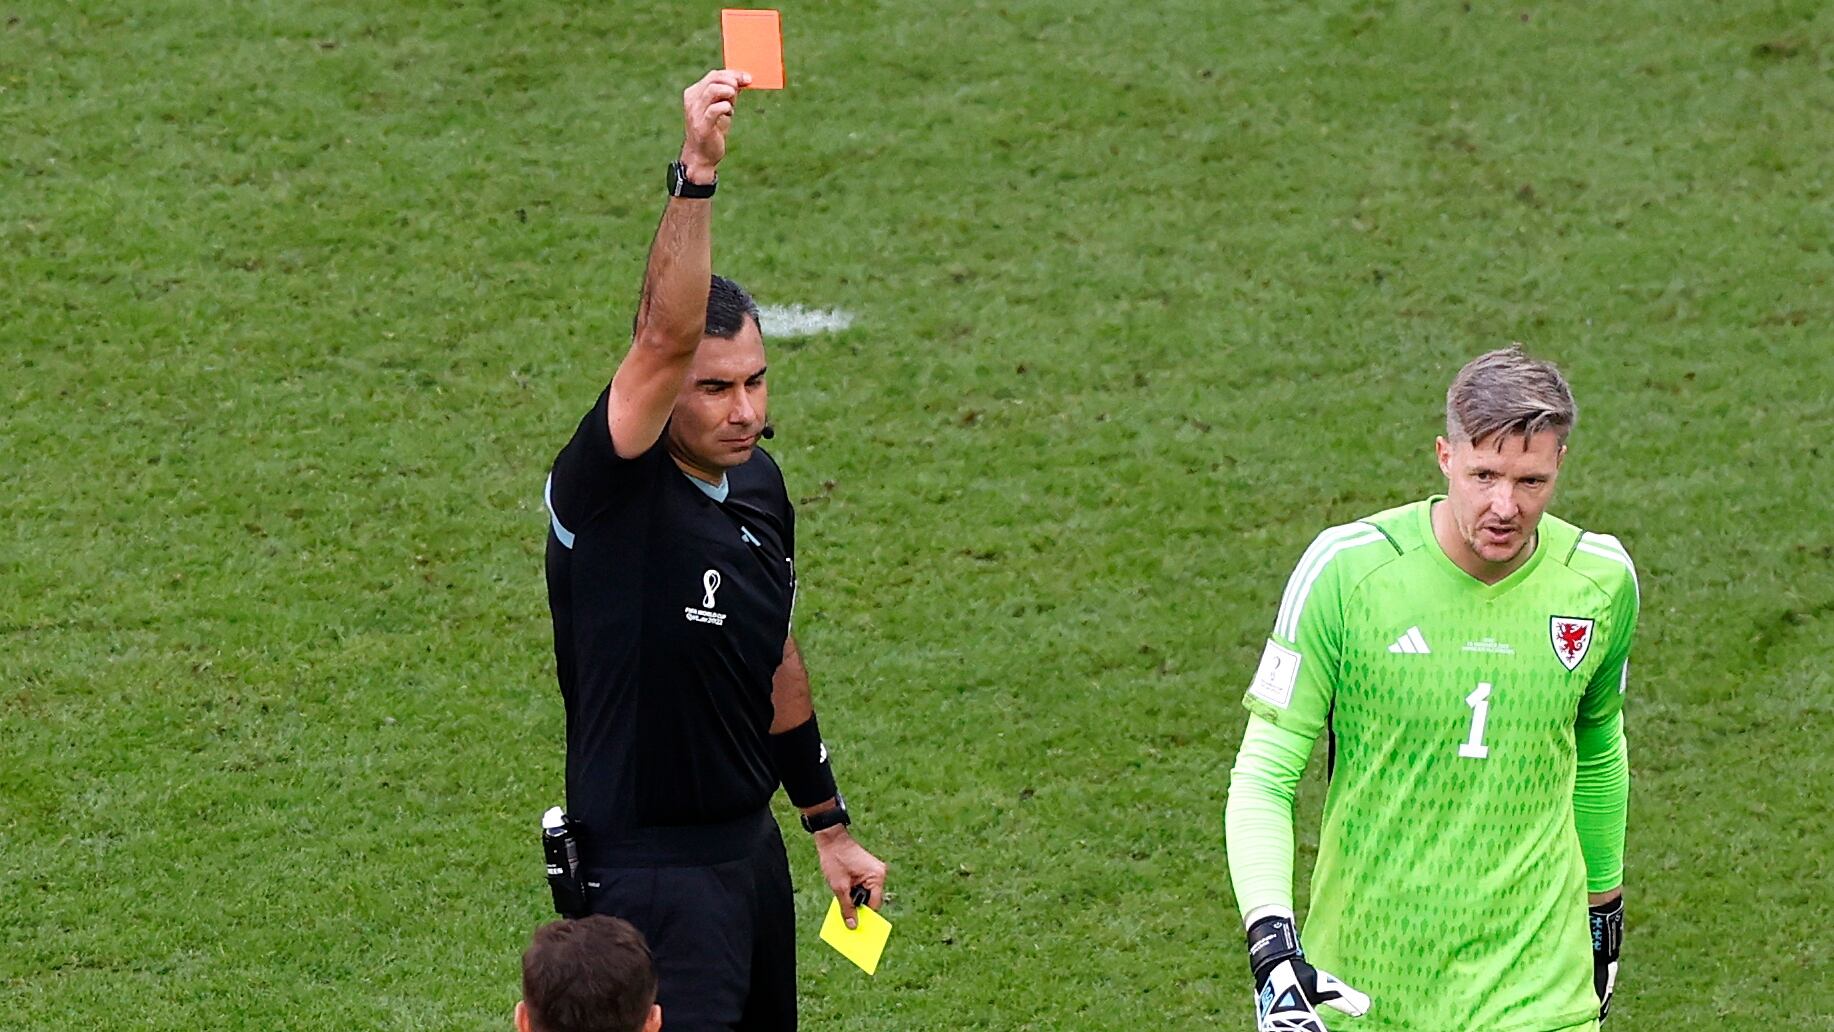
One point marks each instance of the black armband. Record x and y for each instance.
(802, 764)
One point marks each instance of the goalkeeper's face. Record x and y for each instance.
(1497, 490)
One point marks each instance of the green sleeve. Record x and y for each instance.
(1601, 786)
(1258, 821)
(1604, 697)
(1601, 801)
(1296, 681)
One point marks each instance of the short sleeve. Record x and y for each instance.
(1297, 678)
(789, 529)
(589, 477)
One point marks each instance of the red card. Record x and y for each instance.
(754, 43)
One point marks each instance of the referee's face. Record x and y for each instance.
(721, 408)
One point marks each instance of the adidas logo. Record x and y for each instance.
(1411, 643)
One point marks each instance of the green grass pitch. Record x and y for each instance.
(297, 300)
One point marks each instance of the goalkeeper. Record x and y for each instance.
(1465, 657)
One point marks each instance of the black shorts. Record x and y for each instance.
(714, 902)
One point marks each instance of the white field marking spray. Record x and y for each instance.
(798, 321)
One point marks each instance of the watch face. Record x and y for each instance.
(681, 186)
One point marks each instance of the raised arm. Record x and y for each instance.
(672, 313)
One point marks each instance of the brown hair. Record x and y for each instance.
(1505, 393)
(593, 974)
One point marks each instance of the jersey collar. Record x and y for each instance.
(717, 492)
(1444, 561)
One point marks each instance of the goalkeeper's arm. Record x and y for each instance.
(1601, 798)
(1259, 826)
(1258, 821)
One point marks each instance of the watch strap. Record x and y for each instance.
(681, 186)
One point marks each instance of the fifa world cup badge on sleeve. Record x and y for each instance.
(1276, 676)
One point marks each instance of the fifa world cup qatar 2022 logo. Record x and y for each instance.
(709, 583)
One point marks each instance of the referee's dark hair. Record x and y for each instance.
(593, 974)
(727, 306)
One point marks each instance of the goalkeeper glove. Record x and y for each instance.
(1286, 987)
(1607, 920)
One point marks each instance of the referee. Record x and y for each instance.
(671, 577)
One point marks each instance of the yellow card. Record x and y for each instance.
(862, 945)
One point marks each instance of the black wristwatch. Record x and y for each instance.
(681, 186)
(836, 814)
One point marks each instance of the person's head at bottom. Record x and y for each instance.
(593, 974)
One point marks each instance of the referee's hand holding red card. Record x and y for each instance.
(706, 109)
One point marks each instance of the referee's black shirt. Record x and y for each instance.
(670, 613)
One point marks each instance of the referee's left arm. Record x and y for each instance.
(790, 697)
(802, 764)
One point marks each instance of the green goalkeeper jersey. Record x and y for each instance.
(1450, 884)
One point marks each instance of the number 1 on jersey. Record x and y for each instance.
(1479, 701)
